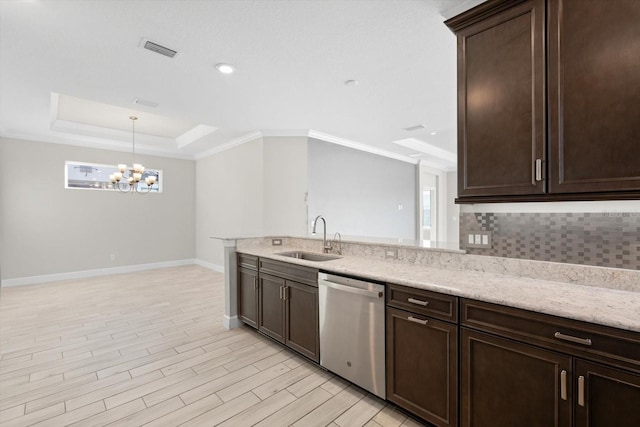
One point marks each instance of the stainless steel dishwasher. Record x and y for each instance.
(352, 330)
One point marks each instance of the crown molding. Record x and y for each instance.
(252, 136)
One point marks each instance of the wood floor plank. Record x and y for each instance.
(214, 386)
(147, 415)
(360, 413)
(224, 412)
(112, 415)
(121, 387)
(260, 411)
(252, 382)
(186, 413)
(297, 409)
(331, 409)
(35, 417)
(183, 386)
(73, 416)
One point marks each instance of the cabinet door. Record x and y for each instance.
(248, 296)
(302, 334)
(606, 396)
(422, 367)
(501, 103)
(594, 95)
(271, 307)
(505, 383)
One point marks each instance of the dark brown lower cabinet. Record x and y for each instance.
(422, 366)
(606, 396)
(301, 319)
(505, 383)
(288, 313)
(271, 306)
(248, 296)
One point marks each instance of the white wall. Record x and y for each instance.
(255, 189)
(228, 198)
(47, 229)
(359, 193)
(285, 186)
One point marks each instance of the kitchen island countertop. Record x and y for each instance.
(603, 306)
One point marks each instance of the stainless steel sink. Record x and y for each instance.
(309, 256)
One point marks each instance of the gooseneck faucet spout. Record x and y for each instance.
(325, 247)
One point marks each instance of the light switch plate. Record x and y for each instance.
(276, 242)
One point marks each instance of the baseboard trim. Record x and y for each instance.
(32, 280)
(210, 265)
(231, 322)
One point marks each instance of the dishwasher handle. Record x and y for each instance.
(351, 289)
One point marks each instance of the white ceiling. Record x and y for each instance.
(292, 58)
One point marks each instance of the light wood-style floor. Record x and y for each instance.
(149, 349)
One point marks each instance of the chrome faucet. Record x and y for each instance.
(325, 246)
(339, 251)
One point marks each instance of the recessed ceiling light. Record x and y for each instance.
(434, 133)
(415, 127)
(225, 68)
(351, 83)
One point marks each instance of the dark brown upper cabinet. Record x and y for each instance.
(594, 95)
(548, 100)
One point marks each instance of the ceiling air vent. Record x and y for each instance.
(144, 102)
(155, 47)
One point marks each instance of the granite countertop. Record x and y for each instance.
(609, 307)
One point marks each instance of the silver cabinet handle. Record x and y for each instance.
(583, 341)
(418, 301)
(281, 288)
(416, 320)
(563, 385)
(255, 283)
(285, 292)
(581, 390)
(538, 169)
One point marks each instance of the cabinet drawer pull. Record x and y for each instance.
(281, 288)
(418, 301)
(416, 320)
(538, 169)
(563, 385)
(581, 390)
(255, 283)
(285, 293)
(583, 341)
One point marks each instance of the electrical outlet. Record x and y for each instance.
(479, 240)
(391, 253)
(276, 242)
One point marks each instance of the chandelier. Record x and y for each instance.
(129, 183)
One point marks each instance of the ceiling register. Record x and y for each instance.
(129, 183)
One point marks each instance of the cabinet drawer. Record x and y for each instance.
(570, 336)
(247, 261)
(306, 275)
(429, 303)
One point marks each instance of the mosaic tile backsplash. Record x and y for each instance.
(600, 239)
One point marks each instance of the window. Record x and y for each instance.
(426, 209)
(94, 176)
